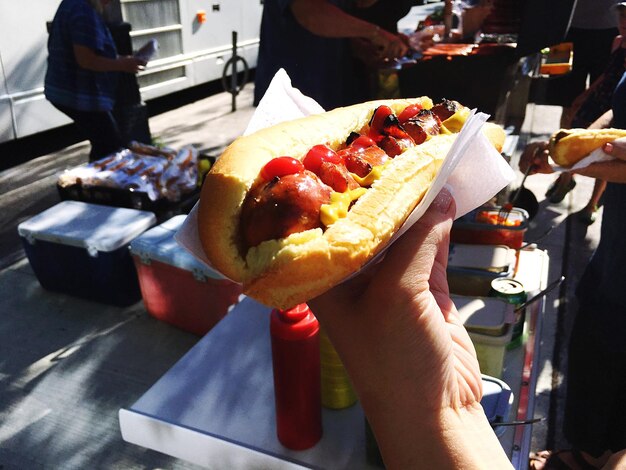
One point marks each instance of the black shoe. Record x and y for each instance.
(560, 191)
(587, 217)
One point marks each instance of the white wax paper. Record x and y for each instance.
(473, 170)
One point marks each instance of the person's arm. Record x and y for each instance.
(613, 171)
(603, 122)
(88, 59)
(327, 20)
(617, 42)
(408, 355)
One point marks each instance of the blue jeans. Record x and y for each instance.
(99, 127)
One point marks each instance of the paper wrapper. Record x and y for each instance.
(473, 170)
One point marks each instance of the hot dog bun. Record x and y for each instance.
(568, 146)
(285, 272)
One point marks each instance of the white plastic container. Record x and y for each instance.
(471, 268)
(488, 323)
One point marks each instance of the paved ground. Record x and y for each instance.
(67, 365)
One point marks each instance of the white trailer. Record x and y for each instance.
(194, 36)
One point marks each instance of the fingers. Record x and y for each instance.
(406, 267)
(536, 155)
(616, 149)
(131, 64)
(408, 264)
(614, 170)
(390, 45)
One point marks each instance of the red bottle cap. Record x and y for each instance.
(294, 324)
(295, 314)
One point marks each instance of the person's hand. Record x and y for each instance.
(130, 64)
(389, 46)
(614, 170)
(410, 359)
(536, 155)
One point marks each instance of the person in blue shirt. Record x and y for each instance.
(82, 72)
(595, 409)
(310, 40)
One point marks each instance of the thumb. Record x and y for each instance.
(412, 256)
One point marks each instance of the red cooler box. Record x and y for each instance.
(175, 286)
(81, 249)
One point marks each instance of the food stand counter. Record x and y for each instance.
(215, 407)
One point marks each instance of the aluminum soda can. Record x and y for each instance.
(510, 290)
(513, 292)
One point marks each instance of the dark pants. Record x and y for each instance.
(99, 127)
(595, 409)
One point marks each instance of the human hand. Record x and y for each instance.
(389, 46)
(130, 64)
(424, 39)
(398, 333)
(536, 155)
(614, 170)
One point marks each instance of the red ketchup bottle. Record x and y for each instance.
(296, 363)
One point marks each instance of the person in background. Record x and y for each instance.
(409, 356)
(598, 56)
(474, 14)
(81, 76)
(595, 410)
(310, 40)
(372, 72)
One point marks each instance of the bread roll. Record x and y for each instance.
(291, 270)
(568, 146)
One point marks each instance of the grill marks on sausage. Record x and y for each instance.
(445, 109)
(362, 161)
(291, 203)
(282, 206)
(423, 125)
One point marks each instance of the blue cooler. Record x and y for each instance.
(496, 402)
(82, 249)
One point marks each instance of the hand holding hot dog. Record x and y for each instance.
(567, 147)
(399, 335)
(613, 171)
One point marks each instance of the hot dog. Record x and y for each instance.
(568, 146)
(292, 210)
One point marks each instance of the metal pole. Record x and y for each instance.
(233, 78)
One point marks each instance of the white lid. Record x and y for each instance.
(496, 258)
(94, 227)
(158, 244)
(484, 315)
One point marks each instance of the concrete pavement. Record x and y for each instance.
(68, 365)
